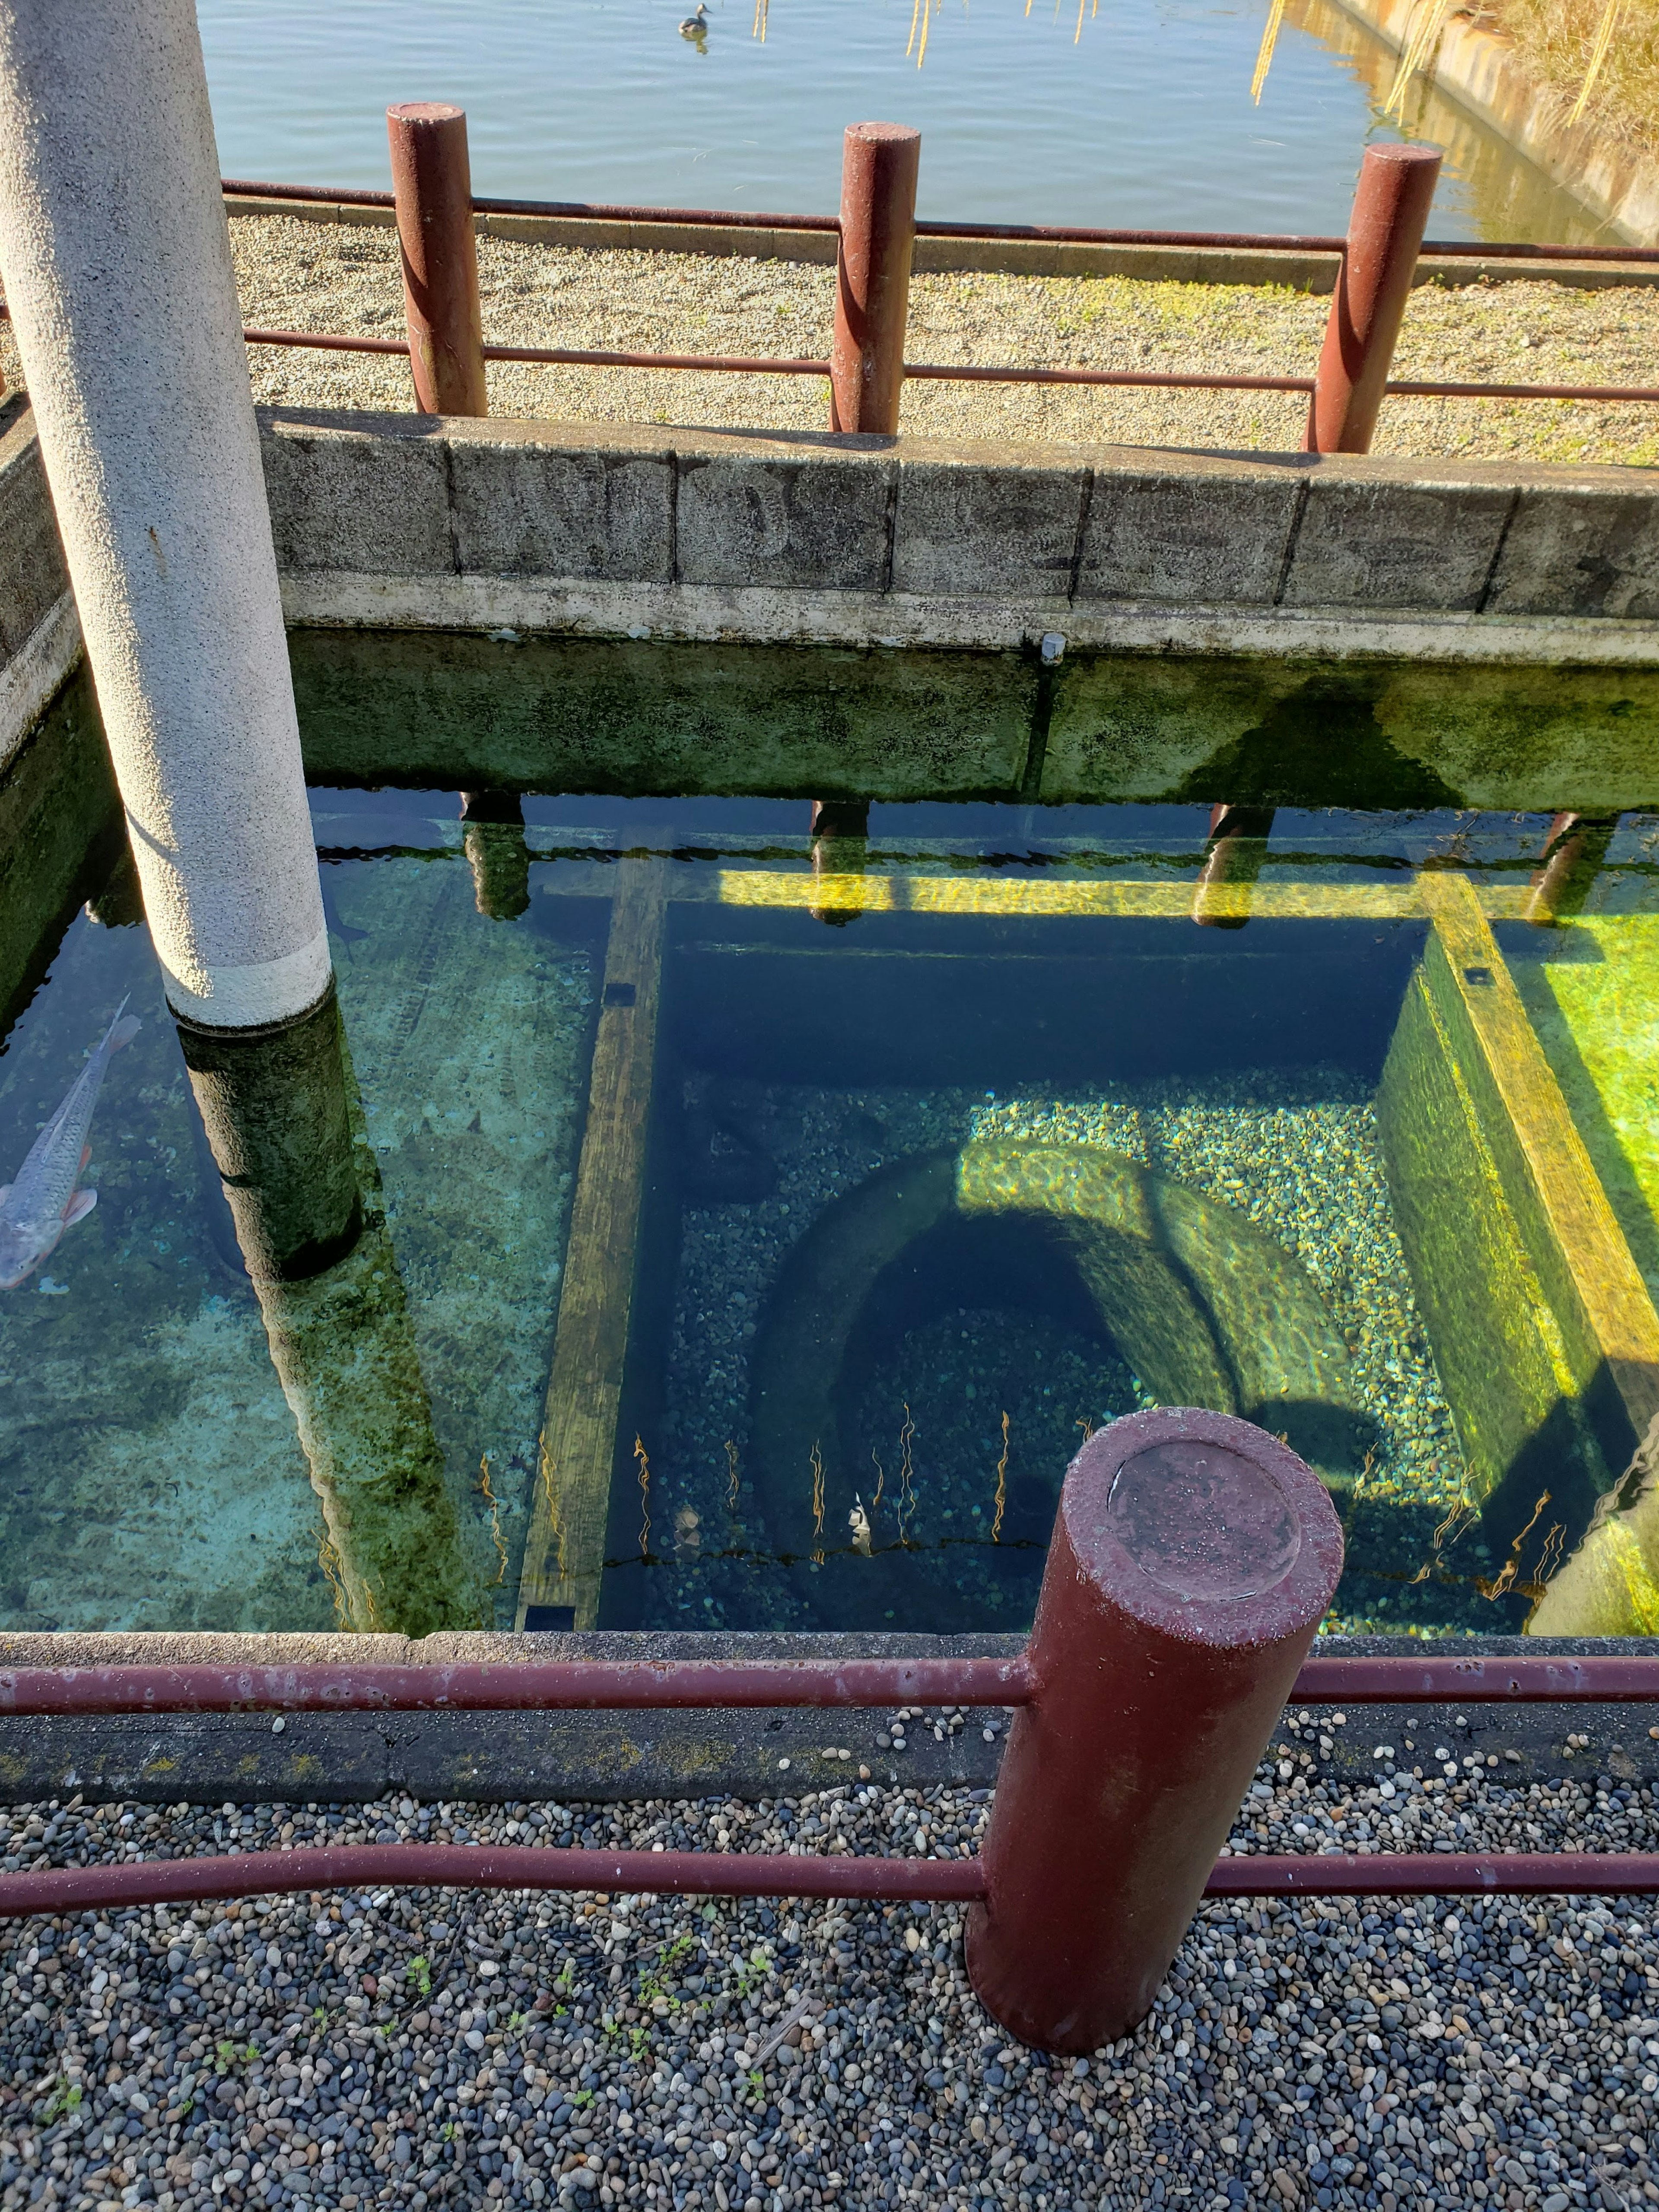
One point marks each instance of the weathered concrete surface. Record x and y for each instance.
(640, 716)
(661, 716)
(353, 1758)
(39, 634)
(401, 521)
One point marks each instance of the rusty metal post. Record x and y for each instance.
(879, 161)
(432, 185)
(1390, 207)
(1237, 853)
(1192, 1558)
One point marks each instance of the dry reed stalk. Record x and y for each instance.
(1418, 53)
(1002, 1486)
(1598, 56)
(1264, 60)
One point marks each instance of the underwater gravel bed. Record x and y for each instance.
(1296, 1151)
(421, 2048)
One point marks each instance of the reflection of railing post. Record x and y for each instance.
(841, 846)
(1192, 1558)
(879, 165)
(276, 1111)
(493, 836)
(1574, 854)
(1390, 210)
(432, 185)
(1237, 853)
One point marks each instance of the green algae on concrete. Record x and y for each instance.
(60, 835)
(470, 1037)
(1496, 1339)
(1352, 734)
(637, 716)
(1590, 986)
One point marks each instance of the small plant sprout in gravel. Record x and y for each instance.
(426, 2048)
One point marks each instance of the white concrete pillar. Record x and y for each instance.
(117, 261)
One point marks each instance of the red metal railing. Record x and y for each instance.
(956, 371)
(1078, 1907)
(1354, 358)
(703, 1685)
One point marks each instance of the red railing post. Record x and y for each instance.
(1385, 234)
(879, 161)
(1192, 1558)
(431, 187)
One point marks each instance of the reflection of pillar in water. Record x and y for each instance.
(275, 1107)
(841, 846)
(120, 904)
(492, 834)
(1574, 854)
(1233, 859)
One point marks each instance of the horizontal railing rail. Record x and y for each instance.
(776, 1874)
(963, 371)
(708, 1685)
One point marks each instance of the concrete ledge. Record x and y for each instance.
(591, 529)
(33, 678)
(1013, 257)
(325, 599)
(40, 635)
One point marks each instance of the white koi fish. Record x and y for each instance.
(43, 1202)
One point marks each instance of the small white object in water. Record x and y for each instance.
(1053, 648)
(51, 1290)
(279, 1725)
(504, 636)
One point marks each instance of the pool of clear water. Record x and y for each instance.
(1118, 115)
(893, 1151)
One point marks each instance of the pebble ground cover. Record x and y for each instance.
(424, 2048)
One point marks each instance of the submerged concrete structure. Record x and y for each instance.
(119, 279)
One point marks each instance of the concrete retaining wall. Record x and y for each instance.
(39, 636)
(402, 522)
(593, 529)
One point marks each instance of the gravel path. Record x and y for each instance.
(406, 2049)
(333, 277)
(325, 277)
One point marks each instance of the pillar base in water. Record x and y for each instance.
(273, 1103)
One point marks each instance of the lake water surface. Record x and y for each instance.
(1122, 115)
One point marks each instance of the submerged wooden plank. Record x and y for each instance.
(914, 891)
(564, 1549)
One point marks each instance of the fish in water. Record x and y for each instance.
(43, 1202)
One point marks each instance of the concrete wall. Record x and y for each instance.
(400, 522)
(39, 636)
(588, 529)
